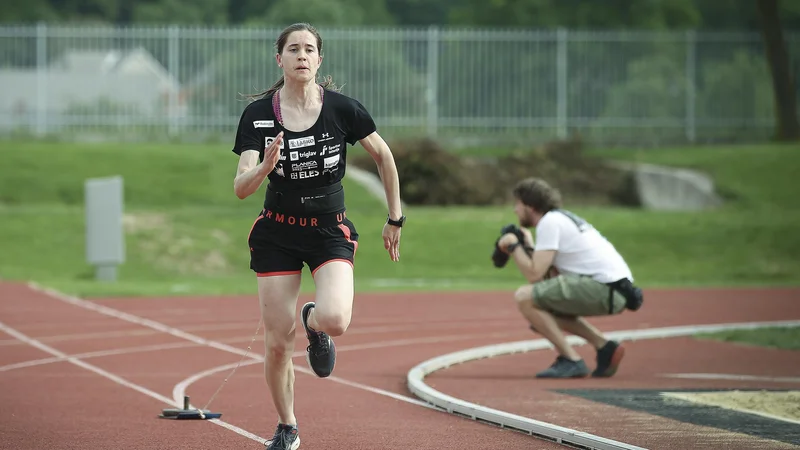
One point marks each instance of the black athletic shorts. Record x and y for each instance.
(281, 243)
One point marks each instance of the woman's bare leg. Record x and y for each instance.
(333, 307)
(278, 299)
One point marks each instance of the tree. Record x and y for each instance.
(783, 88)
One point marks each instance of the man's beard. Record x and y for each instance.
(526, 221)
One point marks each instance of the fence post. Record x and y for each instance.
(432, 99)
(691, 79)
(173, 49)
(562, 119)
(41, 79)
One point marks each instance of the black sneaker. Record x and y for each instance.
(608, 358)
(320, 353)
(565, 368)
(285, 438)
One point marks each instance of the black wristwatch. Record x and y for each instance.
(397, 223)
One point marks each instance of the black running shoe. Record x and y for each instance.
(608, 359)
(320, 353)
(565, 368)
(285, 438)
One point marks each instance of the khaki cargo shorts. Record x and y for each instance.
(574, 295)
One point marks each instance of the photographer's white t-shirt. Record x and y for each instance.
(580, 248)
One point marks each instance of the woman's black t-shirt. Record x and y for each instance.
(312, 158)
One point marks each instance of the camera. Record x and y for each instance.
(499, 257)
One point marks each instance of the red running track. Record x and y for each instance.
(122, 374)
(506, 382)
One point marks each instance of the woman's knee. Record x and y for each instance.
(333, 321)
(279, 334)
(279, 345)
(335, 324)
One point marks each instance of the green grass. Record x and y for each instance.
(186, 230)
(755, 176)
(784, 338)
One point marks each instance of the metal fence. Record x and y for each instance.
(462, 86)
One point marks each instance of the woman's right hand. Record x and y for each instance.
(272, 153)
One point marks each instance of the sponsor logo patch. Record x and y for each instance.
(307, 141)
(304, 174)
(330, 149)
(296, 156)
(269, 140)
(331, 161)
(304, 166)
(264, 124)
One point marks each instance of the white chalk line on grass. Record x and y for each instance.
(115, 378)
(416, 382)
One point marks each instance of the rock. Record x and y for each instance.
(671, 189)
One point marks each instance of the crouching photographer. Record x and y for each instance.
(573, 271)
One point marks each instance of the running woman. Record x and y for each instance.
(295, 135)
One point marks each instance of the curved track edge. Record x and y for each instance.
(415, 381)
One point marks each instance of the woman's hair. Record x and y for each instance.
(327, 82)
(537, 194)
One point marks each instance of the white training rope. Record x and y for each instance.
(249, 346)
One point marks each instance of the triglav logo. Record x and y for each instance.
(307, 141)
(295, 156)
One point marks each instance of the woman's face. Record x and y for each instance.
(300, 58)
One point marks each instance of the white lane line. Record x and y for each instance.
(179, 390)
(80, 336)
(416, 381)
(730, 376)
(97, 354)
(178, 345)
(112, 352)
(128, 333)
(241, 325)
(423, 340)
(206, 342)
(116, 379)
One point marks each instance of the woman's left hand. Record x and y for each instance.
(391, 241)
